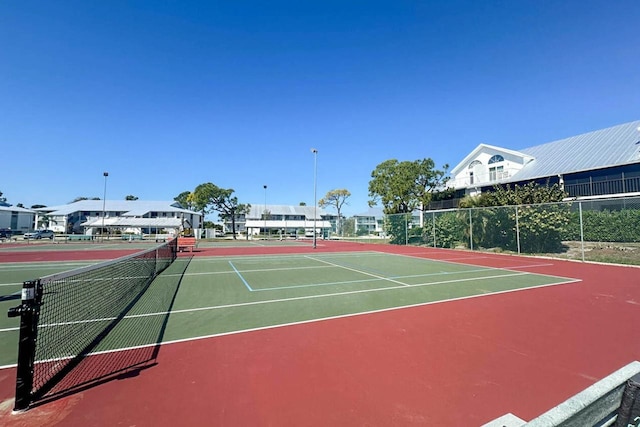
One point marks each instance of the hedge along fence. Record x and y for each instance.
(606, 226)
(540, 228)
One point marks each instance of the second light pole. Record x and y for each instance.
(315, 198)
(104, 201)
(265, 212)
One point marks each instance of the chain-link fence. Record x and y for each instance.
(605, 230)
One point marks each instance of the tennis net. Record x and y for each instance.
(65, 316)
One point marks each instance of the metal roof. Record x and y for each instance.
(307, 211)
(372, 212)
(614, 146)
(127, 207)
(134, 222)
(378, 213)
(15, 209)
(257, 223)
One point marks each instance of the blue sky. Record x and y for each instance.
(166, 95)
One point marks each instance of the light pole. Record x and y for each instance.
(265, 212)
(104, 200)
(315, 203)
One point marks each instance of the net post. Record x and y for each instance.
(28, 312)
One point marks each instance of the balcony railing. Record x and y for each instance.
(604, 187)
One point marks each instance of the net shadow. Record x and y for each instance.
(10, 297)
(138, 335)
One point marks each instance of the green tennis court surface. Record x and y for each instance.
(199, 297)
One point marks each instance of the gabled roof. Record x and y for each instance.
(302, 223)
(614, 146)
(307, 211)
(378, 213)
(127, 207)
(372, 212)
(134, 222)
(486, 147)
(10, 208)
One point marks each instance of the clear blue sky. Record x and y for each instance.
(166, 95)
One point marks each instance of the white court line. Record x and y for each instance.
(41, 266)
(346, 282)
(358, 271)
(489, 268)
(306, 297)
(258, 270)
(303, 322)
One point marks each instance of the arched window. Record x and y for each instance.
(496, 172)
(496, 159)
(474, 164)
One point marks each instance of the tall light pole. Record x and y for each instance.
(315, 198)
(265, 212)
(104, 201)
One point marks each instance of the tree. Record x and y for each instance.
(184, 199)
(303, 204)
(77, 199)
(209, 197)
(531, 208)
(428, 180)
(348, 227)
(45, 220)
(402, 187)
(336, 199)
(2, 199)
(38, 206)
(130, 197)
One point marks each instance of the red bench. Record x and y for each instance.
(186, 242)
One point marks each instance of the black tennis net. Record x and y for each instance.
(65, 316)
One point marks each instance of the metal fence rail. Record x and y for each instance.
(603, 229)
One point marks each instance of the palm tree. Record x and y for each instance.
(45, 220)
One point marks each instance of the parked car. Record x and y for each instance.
(39, 234)
(5, 233)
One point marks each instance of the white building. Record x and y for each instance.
(18, 220)
(282, 220)
(373, 221)
(604, 162)
(131, 216)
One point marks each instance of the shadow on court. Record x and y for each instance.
(136, 336)
(10, 297)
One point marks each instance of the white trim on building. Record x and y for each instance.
(86, 216)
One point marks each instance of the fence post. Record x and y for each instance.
(581, 230)
(406, 229)
(517, 230)
(470, 230)
(433, 215)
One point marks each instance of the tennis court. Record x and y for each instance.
(257, 298)
(220, 295)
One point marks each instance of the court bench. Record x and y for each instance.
(186, 242)
(132, 237)
(73, 237)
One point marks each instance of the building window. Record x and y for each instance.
(472, 165)
(475, 163)
(496, 173)
(496, 159)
